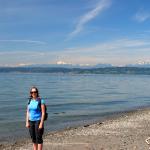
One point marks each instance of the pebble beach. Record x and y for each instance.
(126, 132)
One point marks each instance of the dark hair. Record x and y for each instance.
(36, 91)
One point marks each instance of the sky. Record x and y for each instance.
(85, 32)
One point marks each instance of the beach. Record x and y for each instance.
(126, 132)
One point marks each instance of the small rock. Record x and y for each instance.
(99, 123)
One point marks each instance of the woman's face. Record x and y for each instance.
(34, 93)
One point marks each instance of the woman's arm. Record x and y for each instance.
(27, 119)
(42, 117)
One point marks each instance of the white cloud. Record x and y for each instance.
(117, 52)
(102, 5)
(24, 41)
(142, 16)
(120, 45)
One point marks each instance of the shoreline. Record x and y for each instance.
(127, 131)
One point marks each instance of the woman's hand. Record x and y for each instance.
(27, 125)
(40, 126)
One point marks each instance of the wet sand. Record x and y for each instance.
(127, 132)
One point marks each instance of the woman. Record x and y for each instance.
(35, 118)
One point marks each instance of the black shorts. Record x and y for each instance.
(36, 133)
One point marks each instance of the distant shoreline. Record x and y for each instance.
(103, 70)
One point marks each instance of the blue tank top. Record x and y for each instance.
(34, 110)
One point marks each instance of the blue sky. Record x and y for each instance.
(74, 31)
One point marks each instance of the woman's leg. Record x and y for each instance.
(39, 134)
(40, 146)
(33, 134)
(35, 146)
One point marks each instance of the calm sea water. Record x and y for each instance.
(71, 99)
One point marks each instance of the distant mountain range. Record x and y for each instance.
(144, 65)
(139, 65)
(70, 65)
